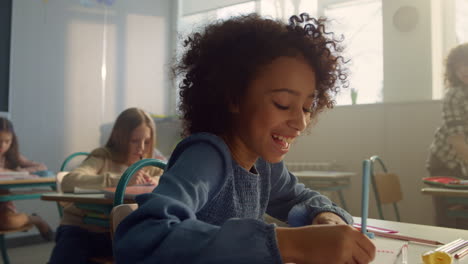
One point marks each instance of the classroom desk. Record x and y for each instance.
(26, 183)
(332, 181)
(98, 205)
(456, 199)
(415, 250)
(94, 198)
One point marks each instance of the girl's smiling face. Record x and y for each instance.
(274, 111)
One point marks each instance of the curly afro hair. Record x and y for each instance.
(457, 56)
(221, 61)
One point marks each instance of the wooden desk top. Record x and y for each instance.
(95, 198)
(324, 175)
(445, 192)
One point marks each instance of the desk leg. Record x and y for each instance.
(3, 249)
(342, 200)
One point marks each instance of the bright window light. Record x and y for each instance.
(363, 44)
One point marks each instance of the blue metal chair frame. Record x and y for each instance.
(70, 157)
(373, 160)
(122, 185)
(62, 168)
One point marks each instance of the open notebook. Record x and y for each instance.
(388, 250)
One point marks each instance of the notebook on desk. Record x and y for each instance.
(130, 191)
(16, 175)
(388, 250)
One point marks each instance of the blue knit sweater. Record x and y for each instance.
(208, 209)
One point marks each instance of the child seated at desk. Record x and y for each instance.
(251, 86)
(132, 138)
(12, 160)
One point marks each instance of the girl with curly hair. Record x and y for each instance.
(250, 87)
(448, 153)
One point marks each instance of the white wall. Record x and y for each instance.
(407, 55)
(399, 133)
(58, 97)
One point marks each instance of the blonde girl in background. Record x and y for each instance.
(132, 138)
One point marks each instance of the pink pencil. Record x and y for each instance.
(408, 238)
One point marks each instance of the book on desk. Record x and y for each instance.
(16, 175)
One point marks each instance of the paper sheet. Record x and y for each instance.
(388, 250)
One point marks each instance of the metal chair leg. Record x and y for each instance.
(3, 249)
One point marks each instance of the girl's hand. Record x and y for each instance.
(334, 244)
(327, 218)
(140, 177)
(154, 180)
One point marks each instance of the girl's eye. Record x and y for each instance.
(281, 107)
(308, 110)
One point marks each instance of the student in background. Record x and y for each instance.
(132, 138)
(12, 160)
(448, 153)
(251, 87)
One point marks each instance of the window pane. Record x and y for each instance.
(363, 45)
(461, 20)
(283, 9)
(196, 22)
(187, 24)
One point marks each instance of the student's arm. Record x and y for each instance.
(291, 202)
(29, 165)
(164, 229)
(90, 175)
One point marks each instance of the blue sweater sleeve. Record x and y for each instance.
(292, 202)
(164, 229)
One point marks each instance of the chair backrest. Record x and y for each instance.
(71, 157)
(62, 173)
(386, 186)
(118, 213)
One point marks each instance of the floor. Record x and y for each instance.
(36, 253)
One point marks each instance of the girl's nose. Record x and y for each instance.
(141, 146)
(299, 120)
